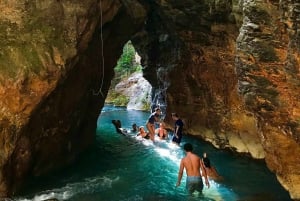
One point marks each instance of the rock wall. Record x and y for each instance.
(231, 71)
(267, 65)
(229, 68)
(54, 78)
(137, 89)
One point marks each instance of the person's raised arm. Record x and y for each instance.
(204, 173)
(180, 173)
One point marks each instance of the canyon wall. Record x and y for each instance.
(54, 78)
(230, 69)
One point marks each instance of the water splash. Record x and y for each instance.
(87, 186)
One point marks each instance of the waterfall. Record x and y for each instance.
(159, 94)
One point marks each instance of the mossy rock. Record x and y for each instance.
(116, 98)
(121, 100)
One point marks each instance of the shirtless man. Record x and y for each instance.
(192, 165)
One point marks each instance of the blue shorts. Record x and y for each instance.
(194, 183)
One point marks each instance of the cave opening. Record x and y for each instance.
(128, 87)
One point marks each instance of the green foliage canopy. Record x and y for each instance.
(126, 64)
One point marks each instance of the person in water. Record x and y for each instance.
(143, 133)
(192, 165)
(134, 128)
(210, 170)
(161, 132)
(177, 129)
(118, 126)
(206, 160)
(154, 117)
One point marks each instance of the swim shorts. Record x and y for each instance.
(194, 183)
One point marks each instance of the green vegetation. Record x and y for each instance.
(121, 100)
(117, 98)
(25, 47)
(126, 64)
(19, 58)
(146, 103)
(125, 67)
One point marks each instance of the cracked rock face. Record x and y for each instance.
(52, 85)
(230, 69)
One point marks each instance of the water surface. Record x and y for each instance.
(119, 168)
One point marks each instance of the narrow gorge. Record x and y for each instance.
(230, 68)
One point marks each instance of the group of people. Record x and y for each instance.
(194, 166)
(161, 131)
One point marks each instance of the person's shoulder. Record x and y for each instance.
(196, 156)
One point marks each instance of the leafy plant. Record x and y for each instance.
(126, 64)
(121, 100)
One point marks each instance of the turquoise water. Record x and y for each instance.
(119, 168)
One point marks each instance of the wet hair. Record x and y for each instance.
(157, 109)
(134, 127)
(174, 114)
(188, 147)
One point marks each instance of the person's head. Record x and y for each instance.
(141, 128)
(157, 111)
(134, 126)
(162, 125)
(174, 115)
(188, 147)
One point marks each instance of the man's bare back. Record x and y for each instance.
(192, 165)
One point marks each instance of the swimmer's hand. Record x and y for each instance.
(178, 184)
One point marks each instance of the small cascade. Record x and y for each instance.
(159, 95)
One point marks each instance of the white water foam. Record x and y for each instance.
(72, 189)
